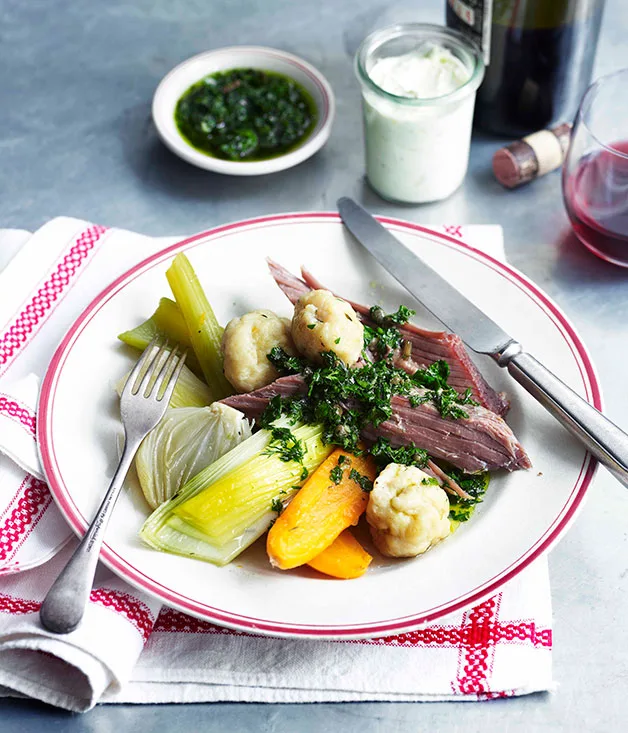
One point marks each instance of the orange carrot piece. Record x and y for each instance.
(345, 558)
(320, 511)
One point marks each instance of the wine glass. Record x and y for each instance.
(595, 173)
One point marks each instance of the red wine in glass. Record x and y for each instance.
(595, 173)
(596, 197)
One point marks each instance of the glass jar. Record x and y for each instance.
(417, 149)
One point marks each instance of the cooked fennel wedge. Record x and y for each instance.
(189, 391)
(228, 505)
(187, 440)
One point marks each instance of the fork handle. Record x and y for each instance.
(64, 605)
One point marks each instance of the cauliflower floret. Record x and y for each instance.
(407, 511)
(246, 342)
(323, 322)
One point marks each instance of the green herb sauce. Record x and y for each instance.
(460, 510)
(245, 115)
(370, 387)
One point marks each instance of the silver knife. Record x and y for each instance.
(602, 438)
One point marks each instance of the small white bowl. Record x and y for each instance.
(181, 78)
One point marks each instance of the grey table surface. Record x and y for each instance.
(76, 81)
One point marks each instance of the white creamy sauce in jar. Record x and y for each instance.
(418, 152)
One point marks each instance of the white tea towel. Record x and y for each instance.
(39, 271)
(125, 651)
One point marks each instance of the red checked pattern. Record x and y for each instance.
(170, 621)
(19, 413)
(17, 606)
(476, 639)
(135, 611)
(30, 502)
(475, 659)
(35, 311)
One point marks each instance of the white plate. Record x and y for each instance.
(523, 515)
(181, 78)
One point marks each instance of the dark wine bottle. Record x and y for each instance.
(539, 56)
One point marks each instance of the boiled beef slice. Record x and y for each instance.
(481, 442)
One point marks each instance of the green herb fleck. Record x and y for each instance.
(286, 364)
(284, 445)
(446, 399)
(418, 399)
(364, 482)
(399, 318)
(384, 336)
(287, 448)
(407, 455)
(273, 411)
(337, 341)
(336, 474)
(276, 505)
(429, 481)
(311, 326)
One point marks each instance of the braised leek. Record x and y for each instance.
(228, 505)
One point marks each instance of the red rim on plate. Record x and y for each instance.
(226, 618)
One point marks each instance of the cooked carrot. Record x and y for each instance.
(331, 500)
(344, 558)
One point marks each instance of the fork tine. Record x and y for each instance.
(172, 382)
(139, 365)
(161, 378)
(150, 372)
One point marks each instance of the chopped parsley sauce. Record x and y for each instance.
(288, 448)
(245, 114)
(384, 336)
(344, 400)
(460, 510)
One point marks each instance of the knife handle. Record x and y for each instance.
(602, 438)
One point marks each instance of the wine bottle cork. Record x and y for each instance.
(532, 156)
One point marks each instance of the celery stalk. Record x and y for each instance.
(204, 330)
(168, 323)
(227, 506)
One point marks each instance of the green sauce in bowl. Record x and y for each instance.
(246, 115)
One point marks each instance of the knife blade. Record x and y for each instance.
(607, 442)
(457, 313)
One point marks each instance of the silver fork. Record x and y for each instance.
(143, 403)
